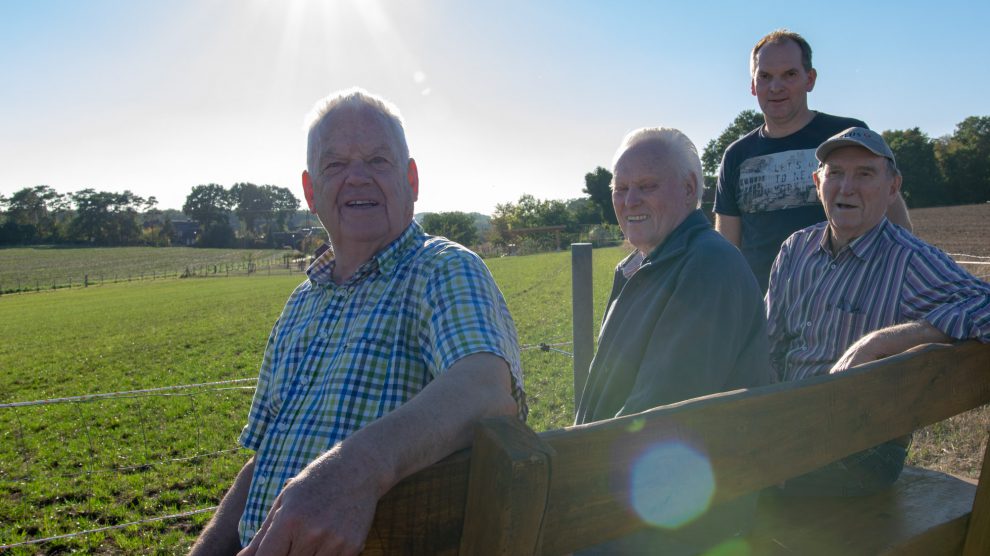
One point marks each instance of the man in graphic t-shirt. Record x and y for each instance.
(765, 191)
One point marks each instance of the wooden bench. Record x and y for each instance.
(517, 492)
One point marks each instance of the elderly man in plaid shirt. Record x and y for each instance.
(381, 361)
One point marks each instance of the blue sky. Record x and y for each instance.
(500, 98)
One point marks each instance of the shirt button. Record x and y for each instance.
(833, 266)
(808, 324)
(304, 381)
(262, 479)
(282, 427)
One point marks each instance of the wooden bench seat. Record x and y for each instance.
(518, 492)
(925, 512)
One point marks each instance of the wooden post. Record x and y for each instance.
(507, 490)
(583, 314)
(978, 532)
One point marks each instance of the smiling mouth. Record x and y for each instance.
(844, 206)
(637, 218)
(361, 204)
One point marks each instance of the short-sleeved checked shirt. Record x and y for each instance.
(818, 305)
(341, 356)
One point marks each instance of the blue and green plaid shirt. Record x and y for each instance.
(341, 356)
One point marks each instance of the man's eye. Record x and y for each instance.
(378, 161)
(649, 187)
(333, 165)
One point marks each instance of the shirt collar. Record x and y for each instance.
(321, 271)
(862, 247)
(677, 241)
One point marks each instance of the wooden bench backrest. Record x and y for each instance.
(560, 491)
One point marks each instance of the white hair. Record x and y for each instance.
(673, 139)
(355, 97)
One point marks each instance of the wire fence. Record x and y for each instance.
(157, 449)
(276, 265)
(133, 445)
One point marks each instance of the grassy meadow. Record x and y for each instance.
(46, 267)
(90, 464)
(102, 462)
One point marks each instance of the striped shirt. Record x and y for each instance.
(818, 305)
(341, 356)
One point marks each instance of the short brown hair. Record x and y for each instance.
(780, 36)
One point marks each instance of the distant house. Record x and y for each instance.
(186, 232)
(293, 239)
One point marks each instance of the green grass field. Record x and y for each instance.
(37, 268)
(69, 467)
(103, 462)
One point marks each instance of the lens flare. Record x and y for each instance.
(671, 485)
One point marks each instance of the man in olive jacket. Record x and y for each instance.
(685, 317)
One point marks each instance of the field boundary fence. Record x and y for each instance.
(91, 468)
(268, 266)
(977, 265)
(147, 458)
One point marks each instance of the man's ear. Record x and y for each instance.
(691, 189)
(752, 86)
(818, 186)
(812, 77)
(307, 183)
(412, 174)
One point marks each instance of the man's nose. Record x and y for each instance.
(847, 186)
(357, 172)
(633, 196)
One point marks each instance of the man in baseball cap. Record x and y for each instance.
(858, 288)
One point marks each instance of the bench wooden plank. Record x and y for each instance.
(978, 535)
(757, 438)
(751, 439)
(888, 522)
(507, 490)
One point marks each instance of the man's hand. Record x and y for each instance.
(888, 341)
(326, 509)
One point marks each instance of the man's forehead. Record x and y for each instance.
(353, 126)
(778, 52)
(649, 158)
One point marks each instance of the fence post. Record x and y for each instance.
(583, 314)
(508, 487)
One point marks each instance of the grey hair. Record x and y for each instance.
(355, 97)
(688, 161)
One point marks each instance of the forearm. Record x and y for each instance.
(889, 341)
(902, 337)
(730, 227)
(437, 422)
(220, 535)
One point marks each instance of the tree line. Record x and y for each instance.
(212, 216)
(949, 170)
